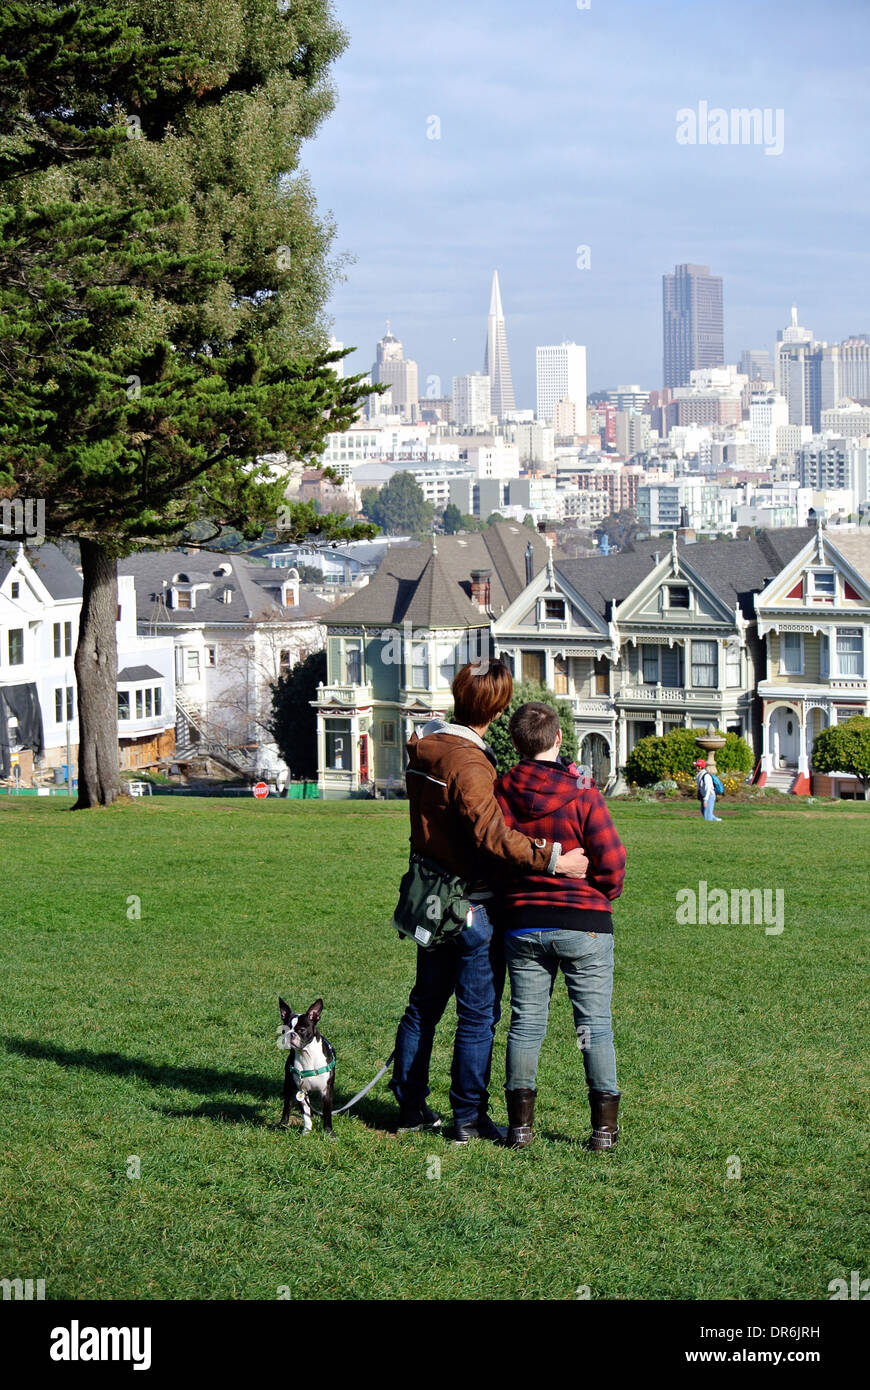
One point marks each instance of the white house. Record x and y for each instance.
(40, 605)
(234, 627)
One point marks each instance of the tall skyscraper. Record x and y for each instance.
(854, 357)
(561, 376)
(496, 363)
(692, 322)
(399, 373)
(805, 373)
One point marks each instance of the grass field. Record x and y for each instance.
(153, 1038)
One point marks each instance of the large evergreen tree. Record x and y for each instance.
(163, 275)
(294, 722)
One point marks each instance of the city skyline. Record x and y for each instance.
(531, 165)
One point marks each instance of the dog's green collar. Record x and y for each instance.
(318, 1071)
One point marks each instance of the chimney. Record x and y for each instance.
(530, 562)
(480, 588)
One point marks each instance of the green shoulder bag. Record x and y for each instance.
(433, 904)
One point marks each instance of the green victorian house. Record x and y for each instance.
(394, 648)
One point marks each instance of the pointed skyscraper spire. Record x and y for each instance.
(496, 363)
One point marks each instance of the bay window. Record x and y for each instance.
(445, 656)
(420, 665)
(338, 745)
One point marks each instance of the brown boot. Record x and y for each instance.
(603, 1106)
(521, 1115)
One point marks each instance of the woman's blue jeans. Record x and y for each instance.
(586, 960)
(471, 966)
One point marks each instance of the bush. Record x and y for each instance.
(653, 759)
(736, 756)
(647, 761)
(499, 738)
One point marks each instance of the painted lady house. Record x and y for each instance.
(815, 615)
(394, 648)
(640, 643)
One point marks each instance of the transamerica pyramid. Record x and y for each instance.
(496, 363)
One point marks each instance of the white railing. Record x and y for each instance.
(665, 694)
(603, 705)
(344, 694)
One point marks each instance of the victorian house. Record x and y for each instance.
(815, 615)
(641, 642)
(394, 648)
(232, 628)
(637, 643)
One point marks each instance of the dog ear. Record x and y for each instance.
(286, 1011)
(315, 1011)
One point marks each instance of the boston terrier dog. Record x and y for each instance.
(310, 1067)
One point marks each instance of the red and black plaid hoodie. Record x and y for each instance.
(545, 799)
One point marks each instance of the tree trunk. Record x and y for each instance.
(96, 667)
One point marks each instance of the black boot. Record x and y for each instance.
(603, 1107)
(481, 1128)
(521, 1117)
(416, 1117)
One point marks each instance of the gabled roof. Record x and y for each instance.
(734, 570)
(434, 590)
(61, 579)
(854, 548)
(153, 571)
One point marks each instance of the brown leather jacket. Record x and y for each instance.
(455, 818)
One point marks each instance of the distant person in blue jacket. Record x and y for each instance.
(706, 790)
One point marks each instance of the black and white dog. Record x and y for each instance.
(310, 1066)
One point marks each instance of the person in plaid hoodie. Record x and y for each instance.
(552, 923)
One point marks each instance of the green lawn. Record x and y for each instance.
(155, 1039)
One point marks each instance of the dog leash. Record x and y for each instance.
(348, 1105)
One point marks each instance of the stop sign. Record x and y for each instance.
(260, 790)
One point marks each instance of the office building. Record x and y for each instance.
(472, 401)
(561, 376)
(692, 322)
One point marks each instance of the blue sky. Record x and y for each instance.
(558, 130)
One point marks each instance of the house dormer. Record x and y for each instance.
(290, 589)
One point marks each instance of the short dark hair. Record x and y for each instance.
(481, 692)
(534, 727)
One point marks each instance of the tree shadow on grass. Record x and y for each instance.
(203, 1080)
(207, 1081)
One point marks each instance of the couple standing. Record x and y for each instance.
(542, 860)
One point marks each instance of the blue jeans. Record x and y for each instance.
(472, 967)
(586, 960)
(708, 807)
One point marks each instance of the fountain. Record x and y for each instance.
(710, 741)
